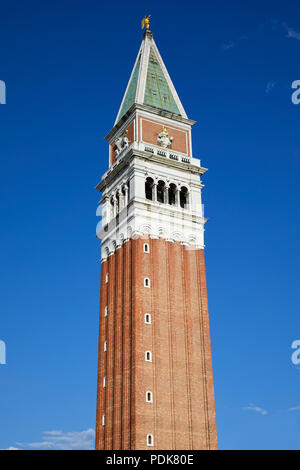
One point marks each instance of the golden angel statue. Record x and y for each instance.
(146, 22)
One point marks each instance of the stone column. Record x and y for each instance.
(166, 195)
(187, 205)
(177, 197)
(121, 199)
(114, 205)
(126, 195)
(154, 192)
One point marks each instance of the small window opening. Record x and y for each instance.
(149, 397)
(147, 318)
(106, 311)
(105, 346)
(104, 382)
(106, 278)
(148, 356)
(146, 282)
(146, 248)
(150, 440)
(103, 420)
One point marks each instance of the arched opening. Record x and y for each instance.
(172, 194)
(183, 197)
(160, 191)
(148, 188)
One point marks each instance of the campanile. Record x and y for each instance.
(155, 382)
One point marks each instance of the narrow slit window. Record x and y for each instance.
(106, 311)
(147, 318)
(150, 440)
(146, 248)
(106, 278)
(104, 382)
(146, 282)
(149, 397)
(148, 356)
(105, 346)
(103, 420)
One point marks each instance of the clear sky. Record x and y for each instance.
(66, 65)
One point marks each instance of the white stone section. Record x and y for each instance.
(128, 214)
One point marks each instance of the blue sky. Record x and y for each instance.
(66, 65)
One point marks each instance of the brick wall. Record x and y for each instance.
(182, 415)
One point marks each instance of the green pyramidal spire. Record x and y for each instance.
(150, 83)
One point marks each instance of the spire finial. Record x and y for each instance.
(146, 23)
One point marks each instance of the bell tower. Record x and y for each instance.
(155, 382)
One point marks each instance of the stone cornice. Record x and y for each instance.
(110, 175)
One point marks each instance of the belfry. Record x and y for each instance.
(155, 381)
